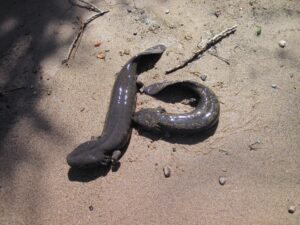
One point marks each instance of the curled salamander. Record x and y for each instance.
(204, 116)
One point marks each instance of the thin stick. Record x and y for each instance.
(15, 89)
(219, 57)
(78, 37)
(253, 146)
(85, 5)
(211, 42)
(3, 92)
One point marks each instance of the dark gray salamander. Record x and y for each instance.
(117, 129)
(205, 114)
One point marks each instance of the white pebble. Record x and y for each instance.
(292, 209)
(167, 171)
(167, 11)
(274, 86)
(222, 180)
(282, 43)
(203, 77)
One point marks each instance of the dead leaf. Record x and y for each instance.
(97, 44)
(101, 55)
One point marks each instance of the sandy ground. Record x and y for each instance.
(47, 109)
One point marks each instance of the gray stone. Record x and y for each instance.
(222, 180)
(167, 171)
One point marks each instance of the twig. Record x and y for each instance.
(3, 92)
(253, 146)
(85, 5)
(211, 42)
(224, 151)
(219, 57)
(16, 89)
(77, 38)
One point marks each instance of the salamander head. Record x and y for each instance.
(149, 119)
(88, 155)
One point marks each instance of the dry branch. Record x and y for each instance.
(85, 5)
(77, 38)
(3, 92)
(211, 42)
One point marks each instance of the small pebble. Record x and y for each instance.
(101, 55)
(171, 26)
(292, 209)
(203, 77)
(222, 180)
(97, 44)
(282, 43)
(189, 101)
(135, 33)
(91, 208)
(167, 171)
(258, 31)
(153, 27)
(167, 11)
(126, 52)
(174, 149)
(49, 92)
(82, 109)
(274, 86)
(188, 37)
(217, 13)
(129, 10)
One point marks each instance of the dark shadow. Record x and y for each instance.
(86, 175)
(25, 41)
(147, 62)
(115, 167)
(90, 174)
(288, 57)
(28, 35)
(175, 94)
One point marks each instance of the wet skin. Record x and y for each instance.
(204, 116)
(118, 123)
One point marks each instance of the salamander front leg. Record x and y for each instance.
(115, 157)
(140, 86)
